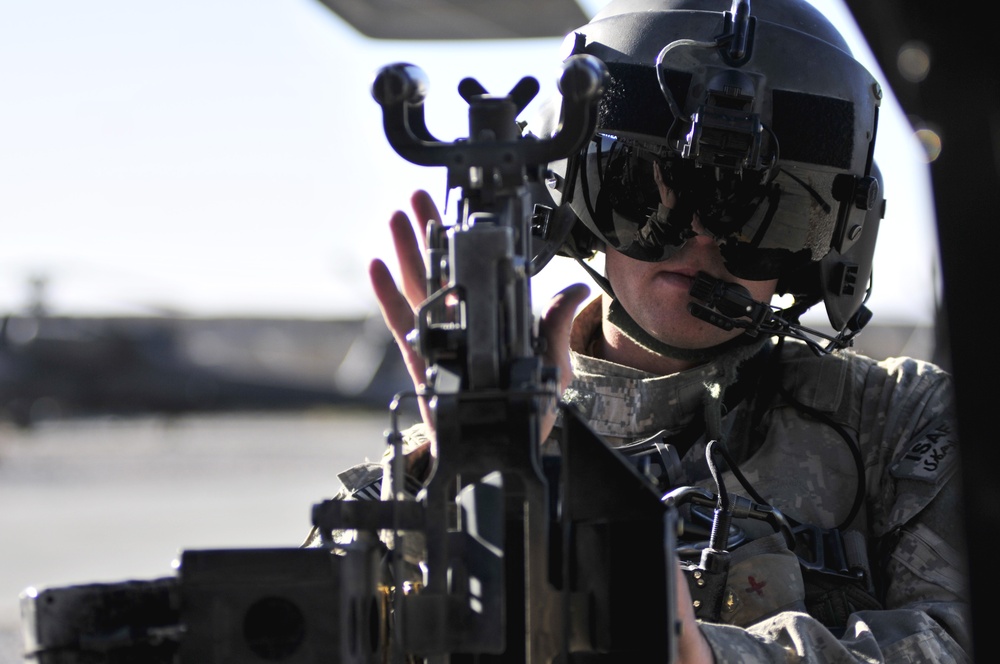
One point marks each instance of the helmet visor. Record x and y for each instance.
(644, 202)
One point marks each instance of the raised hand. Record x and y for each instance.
(398, 302)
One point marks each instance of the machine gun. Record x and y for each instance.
(522, 558)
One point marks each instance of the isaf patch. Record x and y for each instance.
(931, 455)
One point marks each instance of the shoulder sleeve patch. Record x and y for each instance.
(931, 456)
(361, 475)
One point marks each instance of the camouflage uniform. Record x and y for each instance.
(900, 413)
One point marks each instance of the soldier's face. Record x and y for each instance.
(656, 294)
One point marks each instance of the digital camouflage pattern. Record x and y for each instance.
(900, 413)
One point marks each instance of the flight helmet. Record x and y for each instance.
(760, 121)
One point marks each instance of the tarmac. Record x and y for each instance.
(110, 499)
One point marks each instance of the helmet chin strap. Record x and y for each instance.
(621, 319)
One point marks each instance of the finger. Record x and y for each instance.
(555, 326)
(398, 315)
(411, 260)
(667, 197)
(692, 646)
(399, 318)
(426, 211)
(395, 309)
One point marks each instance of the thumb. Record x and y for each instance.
(555, 326)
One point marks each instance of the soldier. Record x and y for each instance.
(737, 143)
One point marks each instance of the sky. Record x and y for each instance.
(225, 158)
